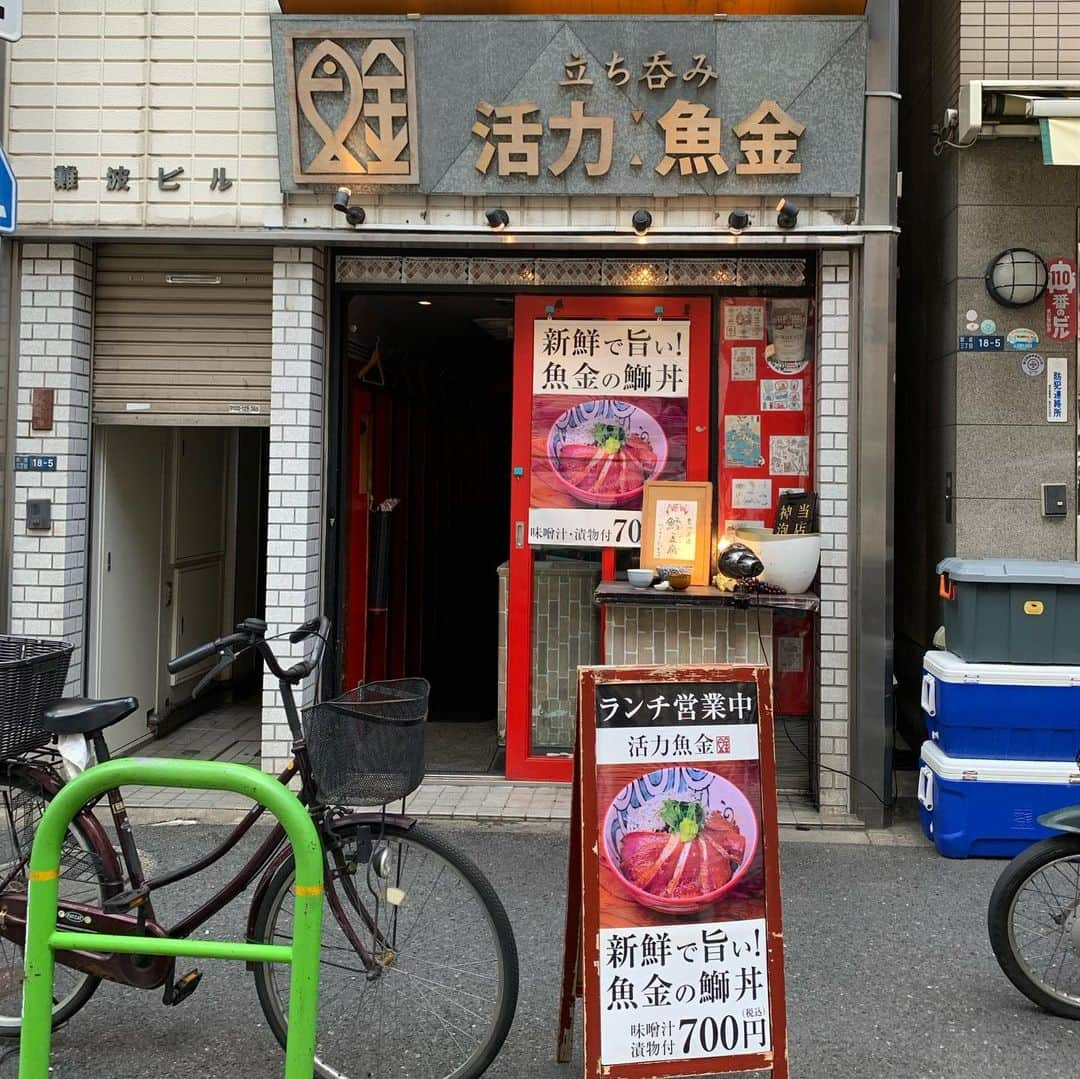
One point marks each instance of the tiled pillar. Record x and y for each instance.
(48, 576)
(294, 515)
(832, 471)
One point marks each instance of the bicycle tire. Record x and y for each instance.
(270, 979)
(78, 859)
(1003, 913)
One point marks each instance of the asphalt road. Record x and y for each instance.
(890, 975)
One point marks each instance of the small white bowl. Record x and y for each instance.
(640, 578)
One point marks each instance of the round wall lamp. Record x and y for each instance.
(1016, 277)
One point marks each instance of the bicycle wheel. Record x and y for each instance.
(82, 880)
(439, 1001)
(1034, 923)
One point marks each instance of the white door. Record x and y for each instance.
(129, 485)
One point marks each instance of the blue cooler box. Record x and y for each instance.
(1003, 711)
(978, 808)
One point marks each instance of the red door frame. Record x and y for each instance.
(520, 764)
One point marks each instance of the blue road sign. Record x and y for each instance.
(9, 193)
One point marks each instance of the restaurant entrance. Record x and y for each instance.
(429, 384)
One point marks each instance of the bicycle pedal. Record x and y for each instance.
(130, 900)
(184, 987)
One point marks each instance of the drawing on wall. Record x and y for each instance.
(789, 455)
(742, 441)
(751, 494)
(781, 395)
(743, 363)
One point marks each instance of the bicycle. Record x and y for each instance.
(419, 970)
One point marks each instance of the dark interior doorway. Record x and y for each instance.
(430, 412)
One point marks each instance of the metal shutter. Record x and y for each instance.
(182, 334)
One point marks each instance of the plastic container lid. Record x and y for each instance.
(950, 668)
(1010, 571)
(970, 769)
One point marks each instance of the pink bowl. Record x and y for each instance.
(574, 426)
(633, 803)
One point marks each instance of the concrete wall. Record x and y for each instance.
(975, 416)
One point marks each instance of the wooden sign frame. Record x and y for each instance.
(699, 492)
(582, 946)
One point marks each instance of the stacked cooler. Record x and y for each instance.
(1002, 706)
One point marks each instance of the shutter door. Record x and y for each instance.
(182, 334)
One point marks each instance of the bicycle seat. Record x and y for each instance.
(79, 715)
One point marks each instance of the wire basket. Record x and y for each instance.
(32, 676)
(367, 747)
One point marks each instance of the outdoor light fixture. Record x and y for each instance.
(424, 303)
(787, 214)
(738, 220)
(1016, 277)
(641, 221)
(354, 215)
(497, 218)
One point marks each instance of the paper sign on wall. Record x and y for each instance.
(1057, 389)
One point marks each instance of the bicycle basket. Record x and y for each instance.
(32, 676)
(367, 747)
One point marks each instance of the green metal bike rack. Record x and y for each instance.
(43, 939)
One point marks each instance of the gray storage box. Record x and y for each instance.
(1009, 610)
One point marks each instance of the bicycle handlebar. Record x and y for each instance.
(251, 634)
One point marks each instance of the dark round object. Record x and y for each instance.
(739, 562)
(641, 221)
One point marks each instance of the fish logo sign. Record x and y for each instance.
(352, 100)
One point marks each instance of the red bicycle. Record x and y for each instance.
(419, 970)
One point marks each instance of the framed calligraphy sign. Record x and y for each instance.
(674, 928)
(676, 527)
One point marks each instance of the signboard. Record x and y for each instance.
(560, 105)
(1057, 389)
(609, 412)
(28, 462)
(9, 194)
(1060, 300)
(676, 943)
(985, 343)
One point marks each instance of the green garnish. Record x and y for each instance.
(609, 436)
(685, 819)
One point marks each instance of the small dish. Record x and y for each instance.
(679, 581)
(640, 578)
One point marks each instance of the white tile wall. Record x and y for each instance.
(48, 591)
(294, 516)
(832, 467)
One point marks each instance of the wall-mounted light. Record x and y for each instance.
(642, 221)
(787, 214)
(738, 220)
(1016, 277)
(354, 215)
(497, 218)
(424, 303)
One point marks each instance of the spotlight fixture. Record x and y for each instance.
(787, 214)
(738, 220)
(424, 303)
(354, 215)
(497, 218)
(642, 220)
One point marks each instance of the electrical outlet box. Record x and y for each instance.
(38, 514)
(1054, 500)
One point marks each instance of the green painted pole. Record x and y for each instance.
(42, 936)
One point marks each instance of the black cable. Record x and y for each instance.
(798, 749)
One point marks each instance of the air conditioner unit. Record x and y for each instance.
(1013, 106)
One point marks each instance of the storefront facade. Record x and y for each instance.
(565, 185)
